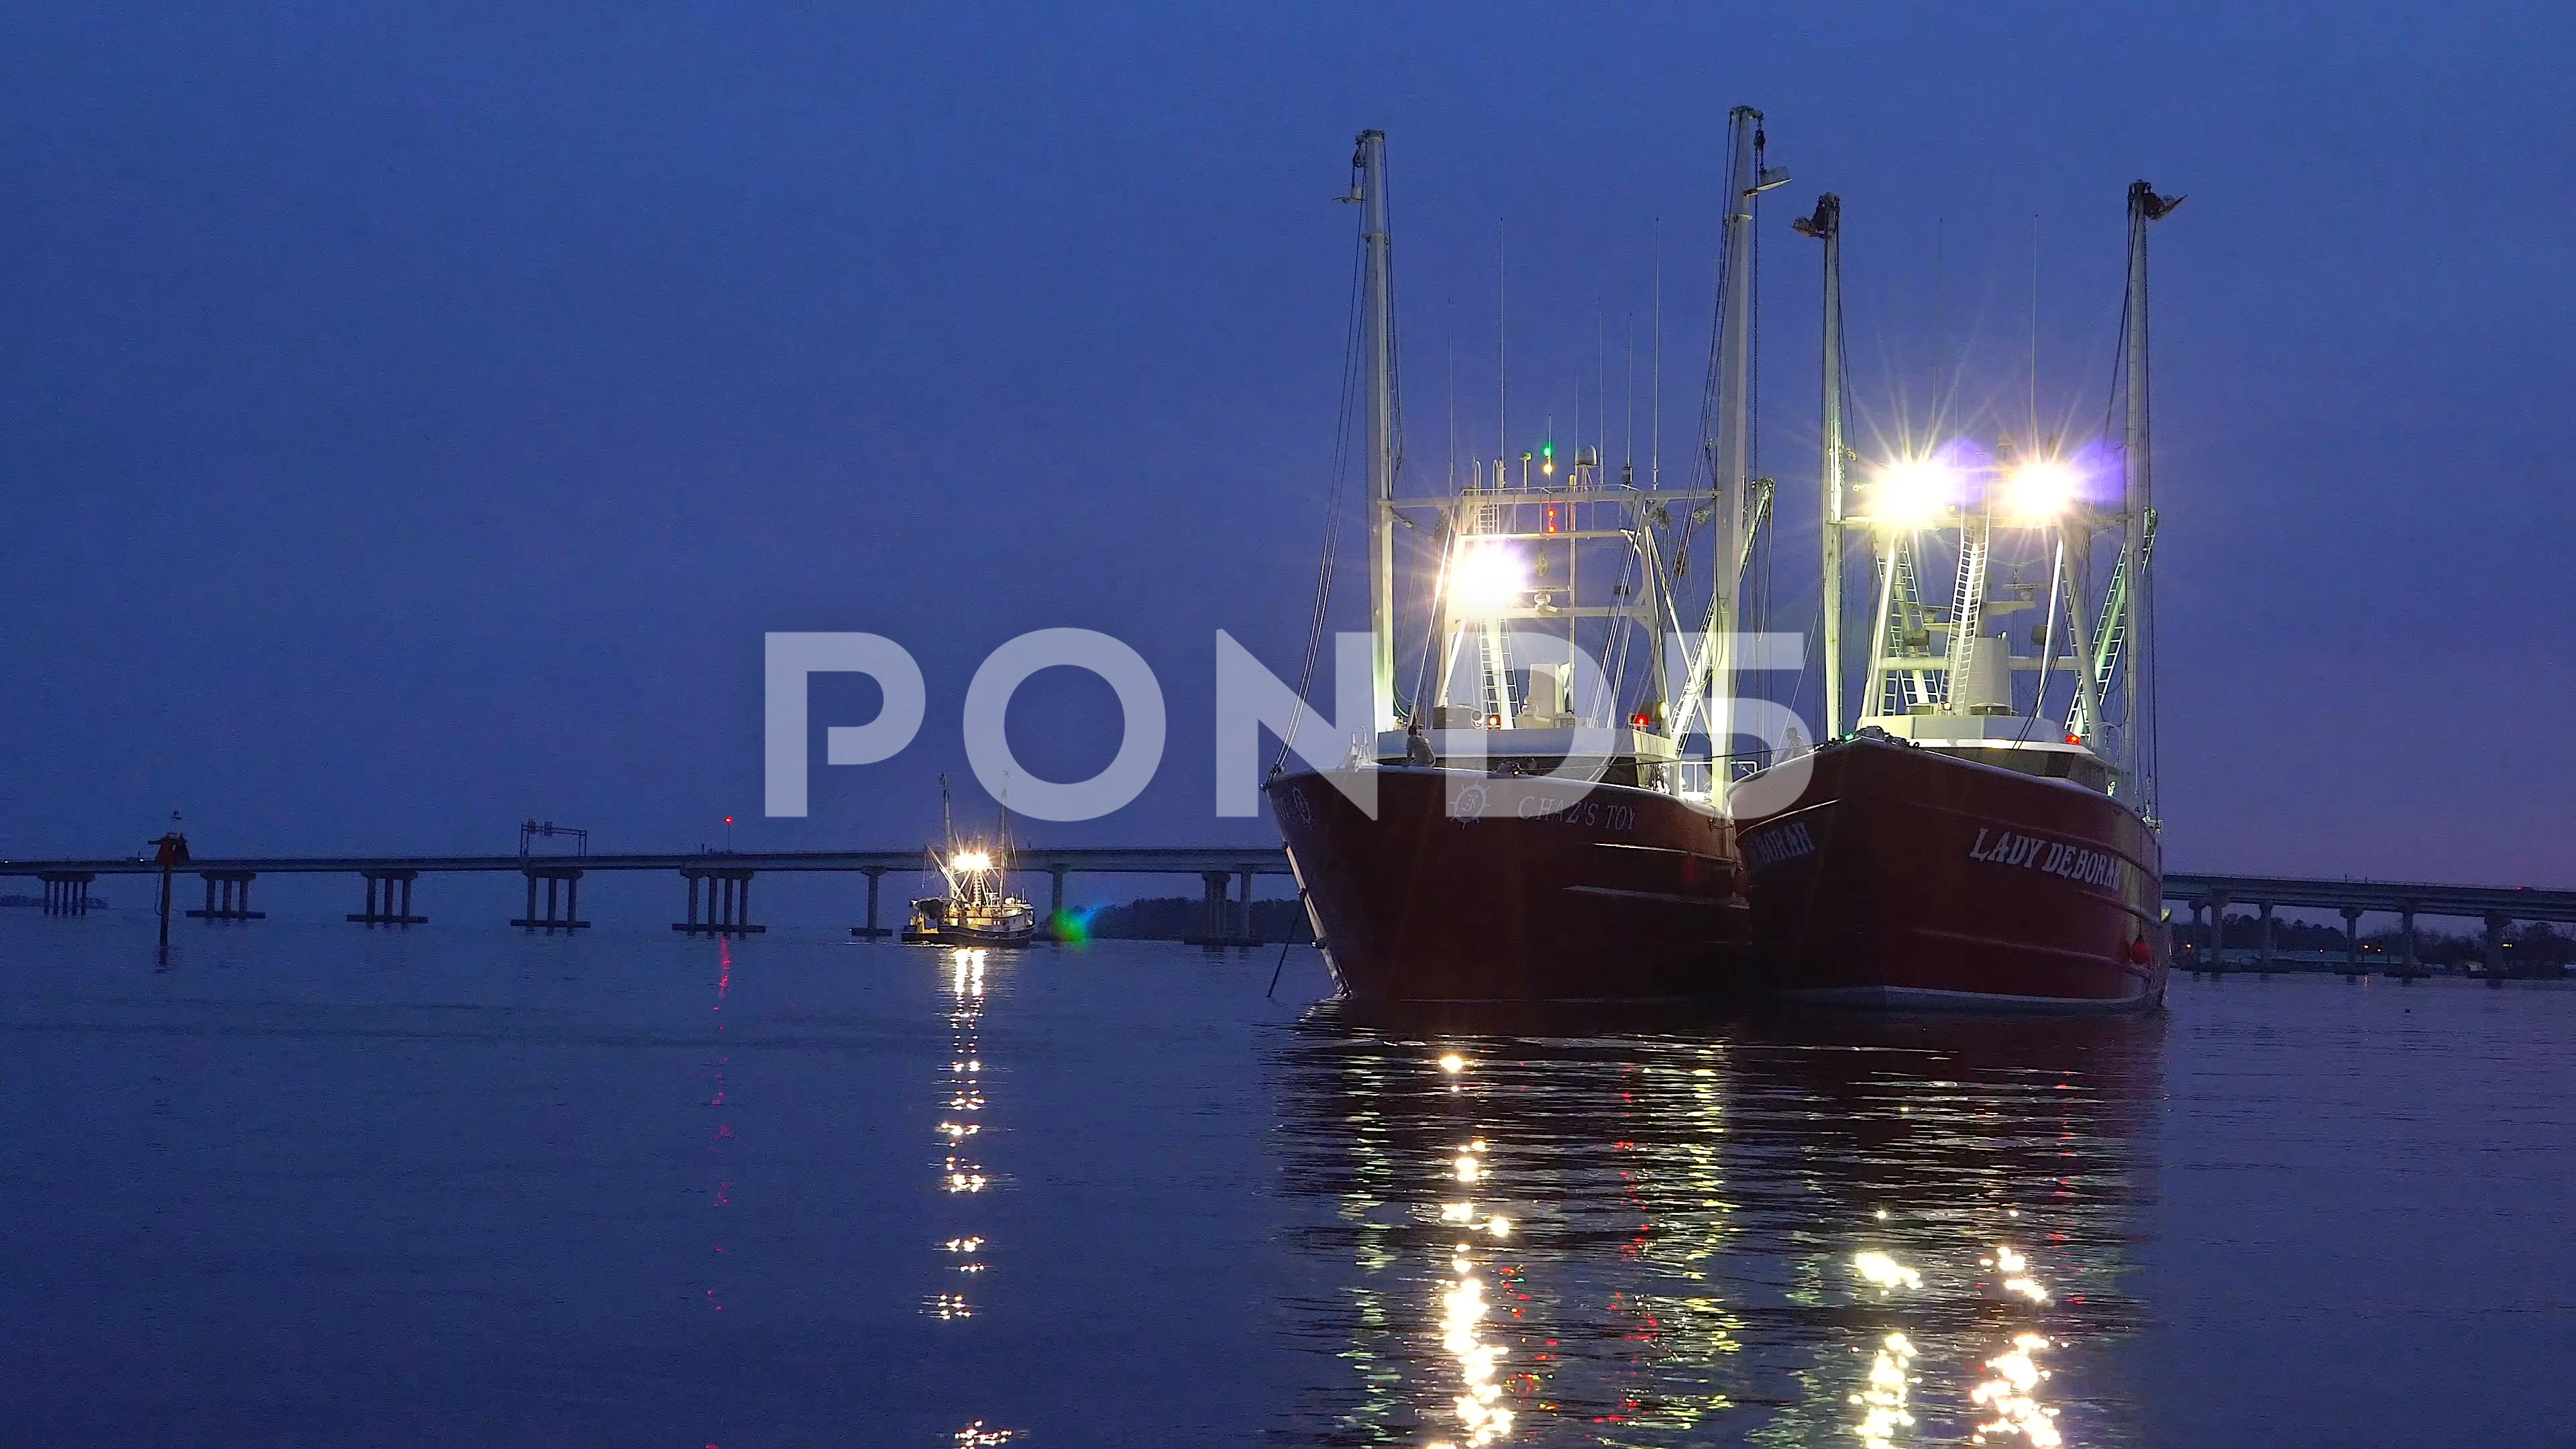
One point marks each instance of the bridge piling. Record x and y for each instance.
(1212, 911)
(389, 899)
(728, 902)
(871, 931)
(228, 896)
(563, 898)
(67, 893)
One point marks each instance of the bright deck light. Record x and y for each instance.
(1484, 581)
(1912, 492)
(2039, 492)
(970, 860)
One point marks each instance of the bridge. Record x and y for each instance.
(723, 876)
(2209, 896)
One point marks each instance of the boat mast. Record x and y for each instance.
(1368, 187)
(948, 849)
(1827, 226)
(1729, 441)
(2137, 743)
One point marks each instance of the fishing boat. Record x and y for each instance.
(1527, 824)
(1980, 831)
(978, 908)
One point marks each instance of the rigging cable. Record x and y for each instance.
(1318, 617)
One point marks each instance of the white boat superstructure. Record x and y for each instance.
(1551, 624)
(1962, 535)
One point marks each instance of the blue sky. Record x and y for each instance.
(410, 424)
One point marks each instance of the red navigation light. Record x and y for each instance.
(1551, 518)
(1639, 720)
(2075, 739)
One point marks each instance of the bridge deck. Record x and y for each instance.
(2191, 888)
(2392, 897)
(1086, 860)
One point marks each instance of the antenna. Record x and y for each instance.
(1449, 354)
(1628, 449)
(1500, 446)
(2034, 339)
(1943, 375)
(1655, 404)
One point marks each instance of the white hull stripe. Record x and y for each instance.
(1930, 998)
(1667, 896)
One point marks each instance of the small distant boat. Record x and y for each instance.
(979, 909)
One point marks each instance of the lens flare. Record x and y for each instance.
(1484, 580)
(1913, 492)
(2040, 492)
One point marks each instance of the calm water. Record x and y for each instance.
(318, 1185)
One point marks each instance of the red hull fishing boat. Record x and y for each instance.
(1527, 826)
(1524, 895)
(1913, 876)
(1962, 847)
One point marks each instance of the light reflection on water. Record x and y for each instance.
(1801, 1231)
(962, 1175)
(336, 1189)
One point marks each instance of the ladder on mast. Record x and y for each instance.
(1967, 609)
(2113, 630)
(1905, 688)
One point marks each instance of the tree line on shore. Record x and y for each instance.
(1175, 918)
